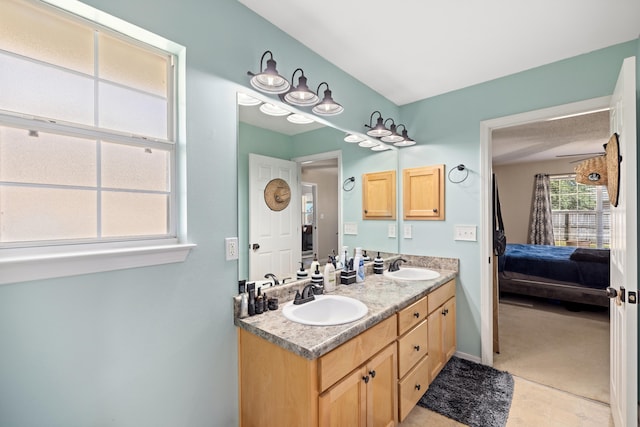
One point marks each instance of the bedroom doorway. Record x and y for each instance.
(540, 340)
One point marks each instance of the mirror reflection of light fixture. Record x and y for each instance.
(299, 119)
(327, 107)
(352, 138)
(381, 147)
(393, 137)
(247, 100)
(301, 95)
(273, 110)
(368, 143)
(268, 80)
(379, 130)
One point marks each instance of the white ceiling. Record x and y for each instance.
(408, 50)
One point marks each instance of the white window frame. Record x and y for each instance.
(50, 261)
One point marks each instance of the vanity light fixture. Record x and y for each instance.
(273, 110)
(368, 143)
(301, 95)
(268, 80)
(352, 138)
(406, 141)
(299, 119)
(327, 107)
(381, 147)
(394, 136)
(379, 130)
(247, 100)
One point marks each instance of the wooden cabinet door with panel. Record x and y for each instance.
(379, 195)
(423, 193)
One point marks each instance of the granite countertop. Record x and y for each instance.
(382, 296)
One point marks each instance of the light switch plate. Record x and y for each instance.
(407, 231)
(391, 231)
(350, 228)
(465, 232)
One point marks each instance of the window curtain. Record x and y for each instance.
(541, 224)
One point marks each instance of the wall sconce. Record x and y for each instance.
(379, 130)
(405, 141)
(269, 81)
(393, 137)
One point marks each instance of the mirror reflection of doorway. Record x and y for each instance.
(309, 223)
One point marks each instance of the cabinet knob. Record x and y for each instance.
(372, 373)
(416, 314)
(365, 379)
(366, 211)
(435, 210)
(416, 347)
(418, 387)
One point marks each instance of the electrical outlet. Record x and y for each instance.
(407, 231)
(231, 248)
(391, 231)
(465, 232)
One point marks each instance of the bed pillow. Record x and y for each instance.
(591, 255)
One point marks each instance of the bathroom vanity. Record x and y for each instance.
(370, 372)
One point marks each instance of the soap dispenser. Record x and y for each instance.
(378, 265)
(315, 264)
(316, 278)
(302, 273)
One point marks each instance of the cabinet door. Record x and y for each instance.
(436, 357)
(449, 329)
(345, 404)
(382, 400)
(423, 193)
(379, 195)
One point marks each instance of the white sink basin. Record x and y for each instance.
(326, 310)
(412, 273)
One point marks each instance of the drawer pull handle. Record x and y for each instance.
(365, 379)
(372, 373)
(416, 347)
(418, 387)
(416, 314)
(445, 311)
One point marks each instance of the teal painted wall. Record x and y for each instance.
(156, 346)
(448, 129)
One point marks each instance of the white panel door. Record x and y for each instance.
(274, 236)
(624, 245)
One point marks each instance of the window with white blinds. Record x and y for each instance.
(580, 213)
(87, 131)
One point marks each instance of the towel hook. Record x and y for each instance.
(461, 168)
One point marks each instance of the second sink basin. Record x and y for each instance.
(412, 273)
(326, 310)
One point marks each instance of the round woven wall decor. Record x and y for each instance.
(277, 194)
(613, 168)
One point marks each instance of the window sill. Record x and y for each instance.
(36, 267)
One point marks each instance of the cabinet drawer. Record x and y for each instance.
(441, 295)
(412, 387)
(339, 362)
(412, 347)
(410, 316)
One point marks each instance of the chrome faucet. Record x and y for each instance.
(273, 277)
(395, 264)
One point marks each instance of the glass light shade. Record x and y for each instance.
(352, 138)
(381, 147)
(393, 137)
(368, 143)
(299, 119)
(273, 110)
(301, 95)
(269, 80)
(328, 107)
(247, 100)
(405, 143)
(379, 129)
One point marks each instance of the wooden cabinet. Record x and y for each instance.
(413, 369)
(423, 193)
(379, 195)
(442, 327)
(366, 397)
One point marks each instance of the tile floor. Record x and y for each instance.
(533, 405)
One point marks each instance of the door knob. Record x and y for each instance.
(612, 292)
(255, 246)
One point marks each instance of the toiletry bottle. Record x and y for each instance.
(244, 299)
(365, 257)
(265, 300)
(314, 263)
(329, 276)
(378, 265)
(251, 308)
(358, 265)
(302, 273)
(317, 278)
(259, 304)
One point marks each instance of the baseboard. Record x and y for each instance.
(469, 357)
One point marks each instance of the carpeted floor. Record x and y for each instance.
(473, 394)
(555, 347)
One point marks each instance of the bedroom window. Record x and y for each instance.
(88, 136)
(580, 213)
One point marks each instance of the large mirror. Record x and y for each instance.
(295, 195)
